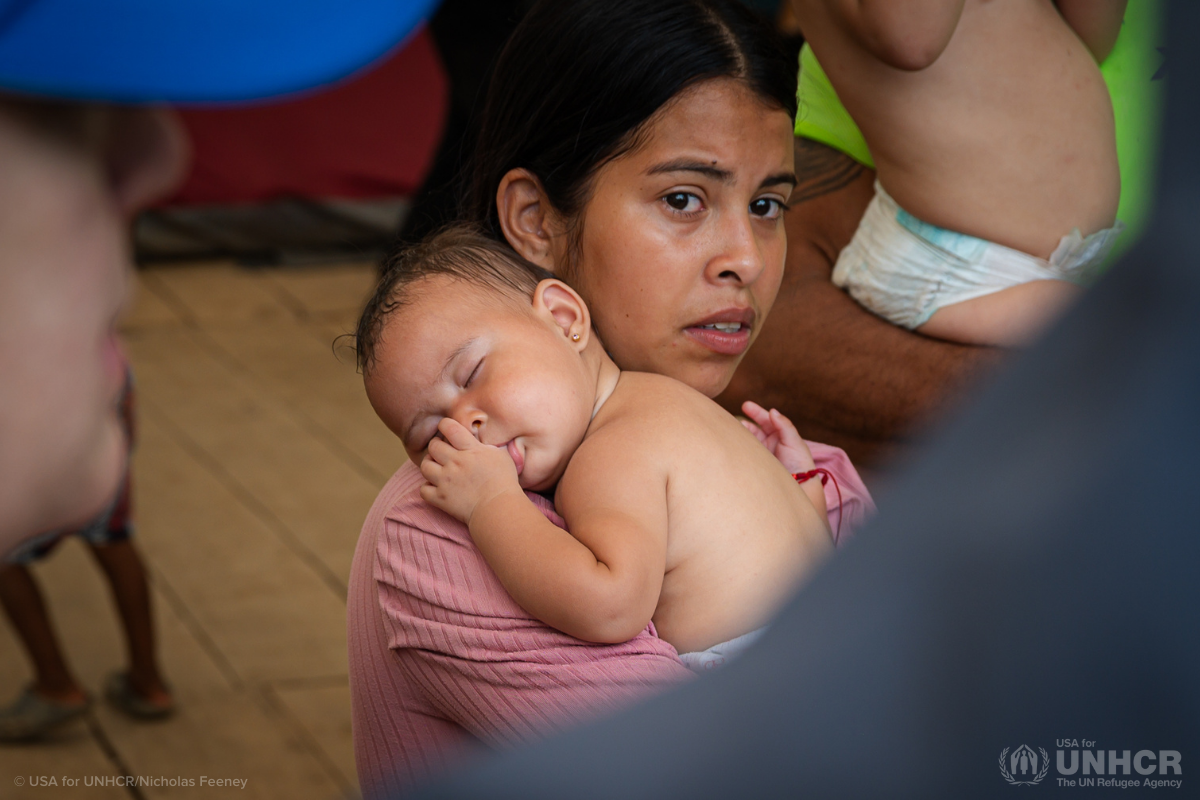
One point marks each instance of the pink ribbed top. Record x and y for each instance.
(442, 659)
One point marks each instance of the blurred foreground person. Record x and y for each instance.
(80, 157)
(1031, 587)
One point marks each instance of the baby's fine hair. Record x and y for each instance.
(460, 251)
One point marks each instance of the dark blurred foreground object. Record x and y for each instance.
(1031, 582)
(325, 175)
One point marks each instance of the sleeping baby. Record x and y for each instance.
(677, 513)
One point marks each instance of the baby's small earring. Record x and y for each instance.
(574, 337)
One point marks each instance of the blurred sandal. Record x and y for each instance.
(123, 697)
(31, 716)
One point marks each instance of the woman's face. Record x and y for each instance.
(682, 244)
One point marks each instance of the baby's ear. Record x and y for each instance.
(560, 303)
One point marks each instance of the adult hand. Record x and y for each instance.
(463, 473)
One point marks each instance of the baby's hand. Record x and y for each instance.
(779, 435)
(463, 473)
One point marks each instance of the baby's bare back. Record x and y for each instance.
(741, 533)
(1008, 135)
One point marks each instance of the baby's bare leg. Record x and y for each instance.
(1012, 317)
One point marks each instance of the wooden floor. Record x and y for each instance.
(258, 457)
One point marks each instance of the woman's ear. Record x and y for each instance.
(526, 217)
(554, 299)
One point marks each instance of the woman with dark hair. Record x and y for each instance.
(669, 99)
(641, 151)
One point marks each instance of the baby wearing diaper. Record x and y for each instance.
(492, 377)
(993, 137)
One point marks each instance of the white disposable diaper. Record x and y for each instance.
(904, 269)
(717, 655)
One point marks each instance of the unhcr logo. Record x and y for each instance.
(1024, 767)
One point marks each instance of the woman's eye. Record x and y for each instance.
(684, 202)
(766, 208)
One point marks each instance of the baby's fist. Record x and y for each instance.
(463, 473)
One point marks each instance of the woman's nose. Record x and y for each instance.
(739, 260)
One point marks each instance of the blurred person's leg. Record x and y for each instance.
(127, 579)
(140, 691)
(54, 698)
(26, 610)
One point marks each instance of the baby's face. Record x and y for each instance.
(506, 372)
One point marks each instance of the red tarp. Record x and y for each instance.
(373, 135)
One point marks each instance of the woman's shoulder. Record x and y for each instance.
(402, 491)
(400, 511)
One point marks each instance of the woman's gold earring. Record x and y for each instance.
(574, 337)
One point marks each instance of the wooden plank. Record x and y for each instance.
(224, 735)
(148, 309)
(215, 291)
(256, 445)
(267, 609)
(325, 290)
(322, 710)
(296, 364)
(73, 754)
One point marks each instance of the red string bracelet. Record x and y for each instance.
(826, 477)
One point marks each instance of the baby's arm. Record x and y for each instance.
(779, 435)
(905, 34)
(599, 583)
(1096, 22)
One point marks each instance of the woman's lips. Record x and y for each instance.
(726, 332)
(515, 455)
